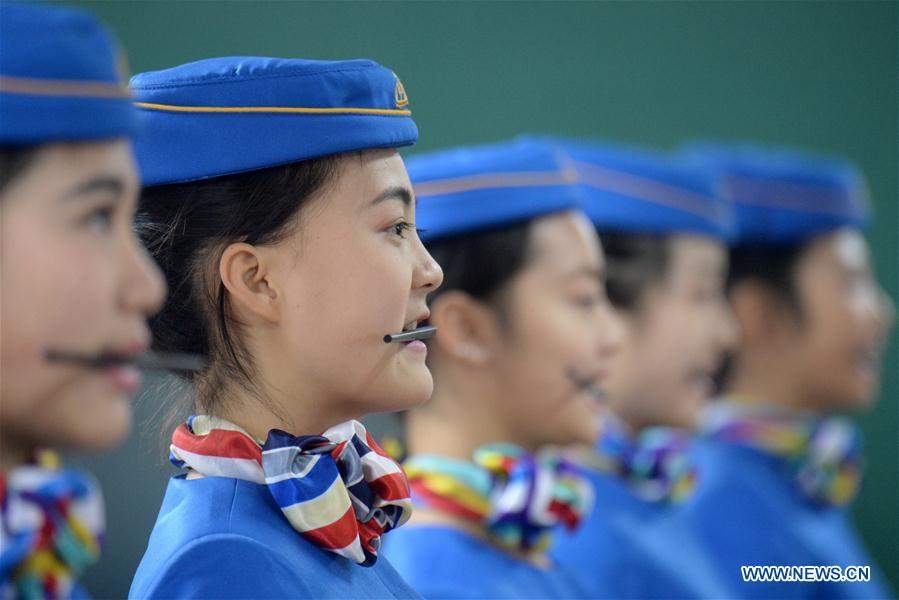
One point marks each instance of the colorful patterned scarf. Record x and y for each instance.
(339, 490)
(516, 496)
(655, 464)
(823, 455)
(52, 529)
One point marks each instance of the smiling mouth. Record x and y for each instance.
(588, 385)
(868, 362)
(704, 380)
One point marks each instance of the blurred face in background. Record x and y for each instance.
(74, 278)
(835, 346)
(555, 319)
(674, 338)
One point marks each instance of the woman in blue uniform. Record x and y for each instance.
(283, 218)
(526, 334)
(779, 470)
(77, 288)
(664, 231)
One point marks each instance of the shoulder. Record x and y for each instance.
(746, 508)
(430, 549)
(444, 562)
(216, 566)
(439, 561)
(739, 480)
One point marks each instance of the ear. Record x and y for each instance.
(244, 271)
(467, 329)
(759, 313)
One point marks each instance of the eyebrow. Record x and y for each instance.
(103, 184)
(716, 268)
(597, 273)
(395, 193)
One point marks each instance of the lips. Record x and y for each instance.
(868, 362)
(413, 325)
(703, 381)
(590, 384)
(125, 378)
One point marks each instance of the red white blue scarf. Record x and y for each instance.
(52, 529)
(339, 490)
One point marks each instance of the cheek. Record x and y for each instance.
(547, 341)
(671, 343)
(548, 335)
(357, 295)
(58, 283)
(53, 296)
(833, 328)
(651, 373)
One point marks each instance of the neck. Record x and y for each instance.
(632, 424)
(299, 412)
(760, 382)
(462, 415)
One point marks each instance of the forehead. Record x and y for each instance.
(566, 240)
(363, 176)
(697, 253)
(59, 168)
(844, 249)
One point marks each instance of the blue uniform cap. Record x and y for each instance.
(634, 190)
(472, 189)
(61, 77)
(229, 115)
(783, 196)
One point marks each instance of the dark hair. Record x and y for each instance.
(771, 265)
(634, 263)
(15, 160)
(186, 226)
(481, 264)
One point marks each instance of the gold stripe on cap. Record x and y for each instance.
(485, 181)
(274, 109)
(62, 87)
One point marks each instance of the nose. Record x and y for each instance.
(611, 331)
(144, 288)
(728, 330)
(886, 313)
(427, 274)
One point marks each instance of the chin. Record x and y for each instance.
(581, 429)
(585, 436)
(107, 422)
(860, 399)
(100, 434)
(410, 391)
(690, 418)
(689, 411)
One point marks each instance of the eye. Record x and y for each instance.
(399, 229)
(100, 219)
(587, 301)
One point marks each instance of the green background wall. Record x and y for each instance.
(820, 75)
